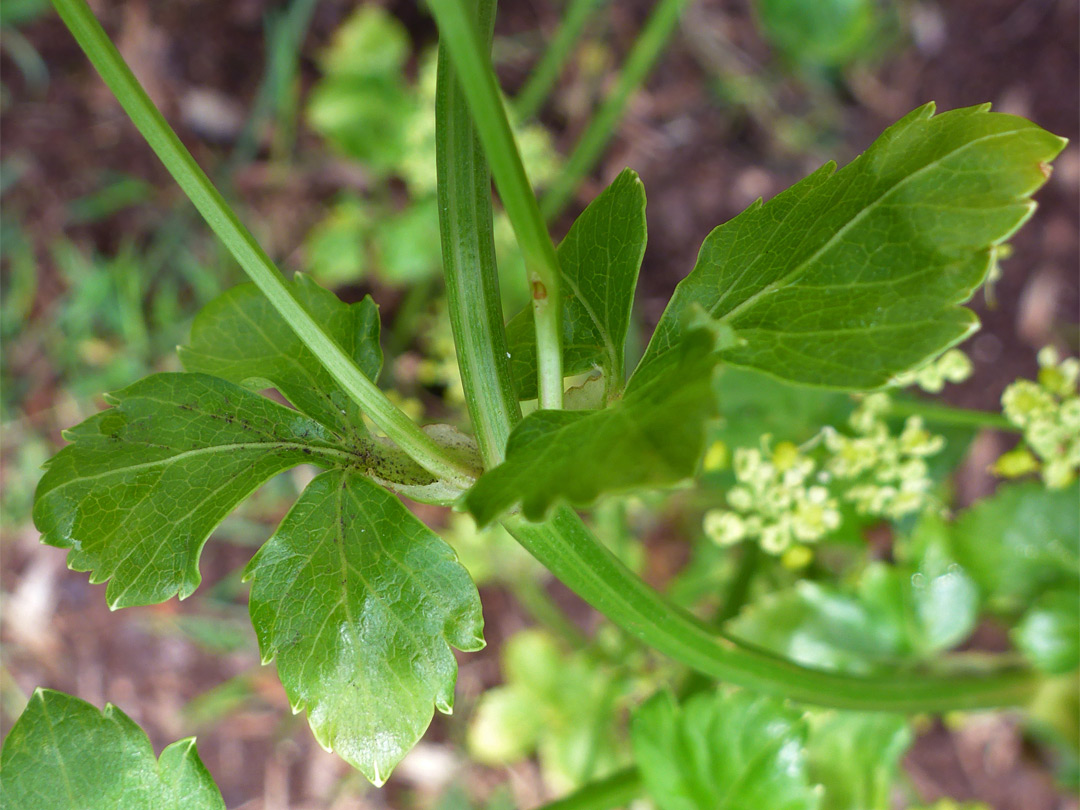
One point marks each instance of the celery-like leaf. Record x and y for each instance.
(849, 277)
(142, 485)
(722, 750)
(240, 337)
(1049, 633)
(1019, 543)
(64, 754)
(599, 262)
(653, 436)
(855, 757)
(359, 602)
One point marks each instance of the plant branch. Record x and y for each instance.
(647, 49)
(939, 414)
(546, 71)
(472, 63)
(241, 244)
(570, 551)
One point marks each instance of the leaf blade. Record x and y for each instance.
(849, 277)
(241, 337)
(362, 636)
(722, 750)
(599, 262)
(138, 491)
(653, 436)
(64, 754)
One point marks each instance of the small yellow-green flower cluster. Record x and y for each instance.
(889, 474)
(785, 498)
(954, 366)
(1048, 411)
(775, 501)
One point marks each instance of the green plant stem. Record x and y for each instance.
(196, 185)
(739, 590)
(472, 64)
(939, 414)
(647, 49)
(570, 551)
(546, 71)
(616, 790)
(468, 250)
(539, 604)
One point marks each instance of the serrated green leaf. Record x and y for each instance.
(142, 484)
(735, 750)
(1020, 542)
(818, 626)
(240, 337)
(909, 611)
(1049, 633)
(653, 436)
(823, 32)
(599, 262)
(855, 757)
(360, 603)
(64, 754)
(850, 277)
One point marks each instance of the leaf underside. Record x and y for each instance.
(64, 754)
(653, 436)
(599, 262)
(360, 603)
(850, 277)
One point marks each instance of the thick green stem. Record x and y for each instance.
(543, 76)
(938, 414)
(241, 244)
(569, 550)
(468, 249)
(472, 64)
(650, 44)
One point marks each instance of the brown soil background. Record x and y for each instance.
(701, 162)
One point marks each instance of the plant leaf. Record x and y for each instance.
(653, 436)
(1020, 542)
(722, 750)
(1049, 633)
(360, 602)
(850, 277)
(599, 262)
(855, 756)
(63, 754)
(142, 485)
(820, 627)
(240, 337)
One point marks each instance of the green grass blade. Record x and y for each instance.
(650, 44)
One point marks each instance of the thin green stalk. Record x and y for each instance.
(650, 44)
(566, 546)
(939, 414)
(542, 608)
(196, 185)
(546, 71)
(472, 64)
(617, 790)
(468, 251)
